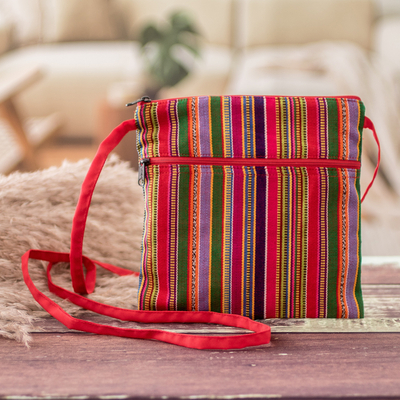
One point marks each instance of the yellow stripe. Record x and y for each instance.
(210, 244)
(174, 128)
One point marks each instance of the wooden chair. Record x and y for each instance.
(20, 137)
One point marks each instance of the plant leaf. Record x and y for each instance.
(180, 22)
(158, 45)
(150, 34)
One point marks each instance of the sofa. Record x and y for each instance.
(84, 47)
(91, 62)
(89, 51)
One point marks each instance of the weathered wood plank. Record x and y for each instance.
(382, 312)
(380, 270)
(293, 366)
(382, 301)
(334, 325)
(381, 260)
(370, 325)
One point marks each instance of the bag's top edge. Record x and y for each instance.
(348, 97)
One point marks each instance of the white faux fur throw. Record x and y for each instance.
(36, 211)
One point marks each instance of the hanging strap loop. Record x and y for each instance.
(368, 124)
(261, 333)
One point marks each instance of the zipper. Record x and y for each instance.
(146, 99)
(248, 162)
(142, 170)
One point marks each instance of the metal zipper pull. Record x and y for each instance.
(146, 99)
(142, 170)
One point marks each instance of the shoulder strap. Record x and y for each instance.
(80, 284)
(261, 333)
(85, 283)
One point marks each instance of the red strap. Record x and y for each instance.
(368, 124)
(85, 285)
(261, 332)
(80, 284)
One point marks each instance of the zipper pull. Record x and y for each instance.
(142, 170)
(146, 99)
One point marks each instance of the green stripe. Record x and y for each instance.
(216, 238)
(183, 119)
(183, 233)
(358, 292)
(332, 255)
(334, 136)
(216, 127)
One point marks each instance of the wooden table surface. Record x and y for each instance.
(357, 359)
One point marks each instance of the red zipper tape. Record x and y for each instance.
(253, 162)
(247, 162)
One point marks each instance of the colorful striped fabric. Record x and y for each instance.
(271, 229)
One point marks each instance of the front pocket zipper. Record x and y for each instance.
(248, 162)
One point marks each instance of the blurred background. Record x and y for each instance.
(67, 68)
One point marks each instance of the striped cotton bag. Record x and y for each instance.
(252, 209)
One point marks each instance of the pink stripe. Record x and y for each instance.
(271, 243)
(272, 211)
(292, 129)
(237, 127)
(313, 255)
(237, 240)
(163, 209)
(271, 127)
(312, 128)
(163, 133)
(294, 238)
(314, 246)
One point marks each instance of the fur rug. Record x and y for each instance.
(36, 211)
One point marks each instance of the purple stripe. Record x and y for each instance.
(354, 134)
(259, 267)
(204, 236)
(259, 121)
(204, 122)
(353, 247)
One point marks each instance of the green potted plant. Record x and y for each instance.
(168, 51)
